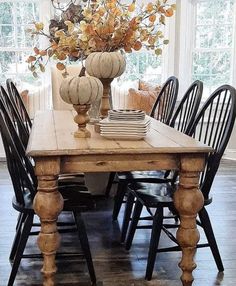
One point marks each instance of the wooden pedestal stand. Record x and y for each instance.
(82, 118)
(105, 102)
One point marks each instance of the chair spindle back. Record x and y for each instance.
(187, 109)
(16, 98)
(165, 102)
(213, 126)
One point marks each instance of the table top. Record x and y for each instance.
(52, 135)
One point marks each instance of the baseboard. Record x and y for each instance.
(230, 154)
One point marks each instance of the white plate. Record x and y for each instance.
(126, 111)
(124, 137)
(126, 114)
(124, 133)
(140, 123)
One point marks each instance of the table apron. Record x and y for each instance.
(118, 162)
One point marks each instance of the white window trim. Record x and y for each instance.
(183, 55)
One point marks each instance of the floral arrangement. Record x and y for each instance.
(100, 26)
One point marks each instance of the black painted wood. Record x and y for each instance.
(76, 197)
(215, 133)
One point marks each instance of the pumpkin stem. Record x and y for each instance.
(82, 72)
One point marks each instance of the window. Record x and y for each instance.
(212, 51)
(16, 42)
(143, 65)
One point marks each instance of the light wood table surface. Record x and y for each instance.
(55, 151)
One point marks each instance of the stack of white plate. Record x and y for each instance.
(125, 124)
(126, 114)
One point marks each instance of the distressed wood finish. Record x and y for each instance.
(55, 150)
(82, 118)
(48, 204)
(188, 201)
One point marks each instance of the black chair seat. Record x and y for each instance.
(153, 195)
(137, 175)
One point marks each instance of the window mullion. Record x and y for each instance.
(233, 55)
(15, 33)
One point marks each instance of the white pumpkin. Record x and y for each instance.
(81, 90)
(105, 64)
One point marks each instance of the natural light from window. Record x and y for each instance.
(213, 43)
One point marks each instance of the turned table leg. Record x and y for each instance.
(48, 204)
(188, 201)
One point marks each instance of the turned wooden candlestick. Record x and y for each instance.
(105, 101)
(82, 118)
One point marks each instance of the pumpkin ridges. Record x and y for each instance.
(72, 88)
(122, 64)
(69, 96)
(88, 64)
(96, 67)
(64, 90)
(91, 63)
(105, 64)
(118, 65)
(85, 93)
(81, 90)
(92, 89)
(99, 66)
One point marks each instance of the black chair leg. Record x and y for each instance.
(15, 243)
(127, 216)
(120, 194)
(155, 237)
(133, 225)
(85, 245)
(21, 218)
(206, 224)
(20, 249)
(109, 183)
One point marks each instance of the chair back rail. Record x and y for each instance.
(17, 162)
(7, 126)
(187, 109)
(213, 126)
(17, 120)
(163, 107)
(16, 98)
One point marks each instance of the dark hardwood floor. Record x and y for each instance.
(114, 265)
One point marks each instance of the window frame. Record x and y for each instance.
(185, 29)
(43, 17)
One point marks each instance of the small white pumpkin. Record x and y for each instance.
(105, 64)
(81, 90)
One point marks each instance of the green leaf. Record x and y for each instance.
(158, 51)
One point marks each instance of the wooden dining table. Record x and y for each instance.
(56, 151)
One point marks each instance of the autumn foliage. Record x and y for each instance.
(99, 25)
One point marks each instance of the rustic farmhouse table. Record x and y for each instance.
(55, 151)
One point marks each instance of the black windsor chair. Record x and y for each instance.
(182, 120)
(213, 126)
(162, 110)
(21, 117)
(76, 198)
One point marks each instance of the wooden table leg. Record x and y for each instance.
(188, 201)
(48, 204)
